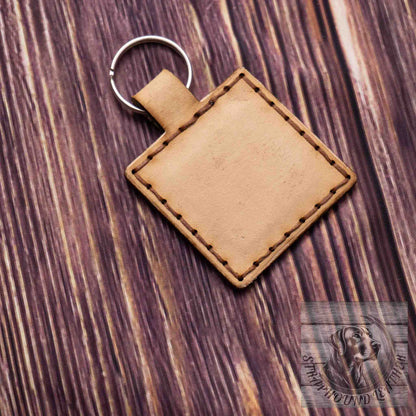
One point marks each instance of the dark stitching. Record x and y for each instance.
(341, 170)
(194, 231)
(326, 199)
(158, 150)
(198, 236)
(187, 225)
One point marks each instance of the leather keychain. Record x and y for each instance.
(236, 173)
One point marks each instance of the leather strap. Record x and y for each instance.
(167, 100)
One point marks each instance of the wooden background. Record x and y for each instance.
(104, 307)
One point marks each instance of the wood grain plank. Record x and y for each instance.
(105, 309)
(389, 313)
(392, 402)
(321, 333)
(322, 351)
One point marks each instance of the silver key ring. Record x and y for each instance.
(138, 41)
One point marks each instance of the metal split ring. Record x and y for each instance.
(139, 41)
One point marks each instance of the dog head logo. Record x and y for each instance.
(358, 361)
(352, 346)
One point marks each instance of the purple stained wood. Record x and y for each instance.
(104, 307)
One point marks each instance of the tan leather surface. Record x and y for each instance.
(241, 179)
(167, 100)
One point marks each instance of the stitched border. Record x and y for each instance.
(194, 231)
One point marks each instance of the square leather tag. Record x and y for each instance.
(237, 173)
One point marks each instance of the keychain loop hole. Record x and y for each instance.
(139, 41)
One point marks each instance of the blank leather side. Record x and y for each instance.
(241, 179)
